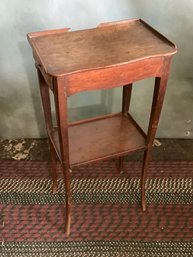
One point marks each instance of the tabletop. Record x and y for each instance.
(63, 52)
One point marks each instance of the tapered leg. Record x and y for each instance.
(126, 98)
(146, 158)
(53, 168)
(62, 120)
(44, 91)
(120, 164)
(158, 97)
(68, 212)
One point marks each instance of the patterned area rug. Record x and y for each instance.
(107, 219)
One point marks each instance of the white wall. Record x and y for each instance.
(20, 106)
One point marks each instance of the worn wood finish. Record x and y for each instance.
(125, 109)
(44, 91)
(111, 55)
(62, 120)
(126, 98)
(158, 97)
(53, 167)
(114, 76)
(121, 137)
(68, 52)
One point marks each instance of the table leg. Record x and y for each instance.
(53, 168)
(158, 97)
(126, 98)
(44, 91)
(62, 120)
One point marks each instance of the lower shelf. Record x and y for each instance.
(102, 138)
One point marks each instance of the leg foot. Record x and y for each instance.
(67, 224)
(54, 187)
(143, 178)
(119, 164)
(68, 209)
(53, 169)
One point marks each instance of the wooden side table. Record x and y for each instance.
(111, 55)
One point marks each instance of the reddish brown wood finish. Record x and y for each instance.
(64, 52)
(44, 90)
(125, 109)
(87, 144)
(112, 55)
(115, 76)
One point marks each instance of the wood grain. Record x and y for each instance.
(63, 53)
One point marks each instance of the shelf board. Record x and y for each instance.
(102, 138)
